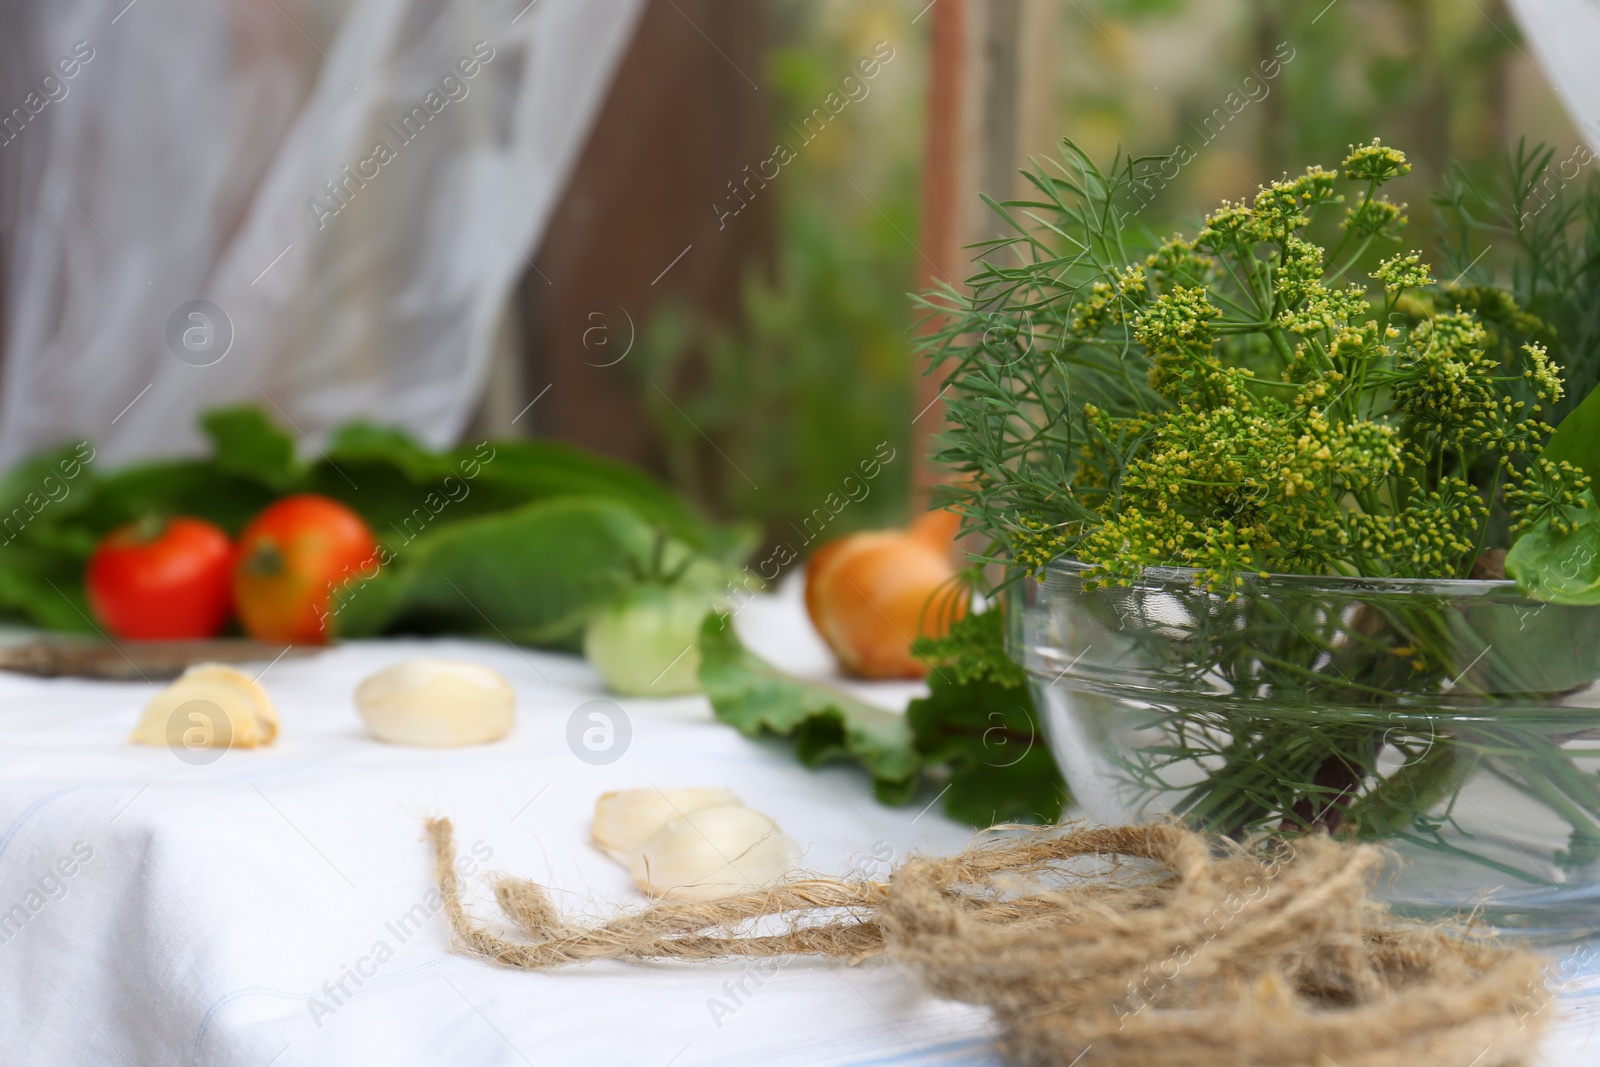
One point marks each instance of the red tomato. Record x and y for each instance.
(163, 580)
(291, 558)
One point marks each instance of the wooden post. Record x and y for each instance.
(941, 237)
(988, 88)
(637, 225)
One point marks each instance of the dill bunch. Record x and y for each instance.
(1273, 394)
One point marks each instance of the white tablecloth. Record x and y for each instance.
(273, 907)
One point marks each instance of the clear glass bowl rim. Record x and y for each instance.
(1188, 578)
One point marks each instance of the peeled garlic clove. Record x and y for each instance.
(626, 819)
(211, 705)
(424, 701)
(712, 853)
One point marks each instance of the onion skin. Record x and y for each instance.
(871, 594)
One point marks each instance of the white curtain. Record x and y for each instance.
(1564, 36)
(355, 184)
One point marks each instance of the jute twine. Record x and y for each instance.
(1149, 945)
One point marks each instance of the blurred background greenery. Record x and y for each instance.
(818, 372)
(818, 368)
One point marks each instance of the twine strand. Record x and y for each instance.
(1156, 946)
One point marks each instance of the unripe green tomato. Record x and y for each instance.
(645, 644)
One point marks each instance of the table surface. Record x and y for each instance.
(275, 907)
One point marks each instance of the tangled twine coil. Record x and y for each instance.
(1152, 945)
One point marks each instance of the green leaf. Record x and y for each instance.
(979, 720)
(525, 469)
(43, 480)
(183, 487)
(402, 489)
(247, 443)
(398, 487)
(1577, 439)
(44, 586)
(532, 575)
(757, 699)
(988, 736)
(362, 441)
(1559, 567)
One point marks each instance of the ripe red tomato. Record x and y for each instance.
(156, 581)
(291, 558)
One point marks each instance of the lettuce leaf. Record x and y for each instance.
(979, 720)
(759, 700)
(1560, 567)
(533, 575)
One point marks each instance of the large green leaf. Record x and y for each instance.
(396, 484)
(527, 468)
(533, 575)
(988, 737)
(1559, 567)
(41, 551)
(369, 442)
(179, 487)
(1577, 439)
(50, 480)
(756, 698)
(44, 587)
(401, 489)
(246, 443)
(980, 721)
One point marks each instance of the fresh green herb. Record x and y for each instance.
(973, 651)
(976, 732)
(759, 700)
(980, 722)
(1289, 390)
(1540, 232)
(534, 575)
(1539, 229)
(1251, 399)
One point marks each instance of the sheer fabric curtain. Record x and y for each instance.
(319, 206)
(1564, 37)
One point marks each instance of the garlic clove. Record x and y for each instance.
(211, 705)
(712, 853)
(436, 702)
(624, 820)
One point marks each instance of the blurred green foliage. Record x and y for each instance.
(816, 375)
(1452, 82)
(808, 386)
(818, 370)
(1533, 227)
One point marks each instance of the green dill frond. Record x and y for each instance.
(1236, 402)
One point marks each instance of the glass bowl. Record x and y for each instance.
(1456, 722)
